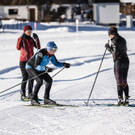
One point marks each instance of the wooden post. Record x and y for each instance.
(129, 17)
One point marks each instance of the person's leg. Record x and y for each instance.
(126, 91)
(120, 91)
(48, 85)
(117, 73)
(118, 77)
(30, 87)
(125, 68)
(33, 73)
(24, 78)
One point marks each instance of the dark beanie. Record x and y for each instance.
(112, 31)
(27, 27)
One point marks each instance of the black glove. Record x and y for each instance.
(35, 36)
(23, 36)
(47, 69)
(107, 45)
(66, 65)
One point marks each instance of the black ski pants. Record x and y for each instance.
(25, 77)
(39, 81)
(121, 72)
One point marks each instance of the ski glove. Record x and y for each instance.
(66, 65)
(23, 36)
(35, 36)
(47, 69)
(107, 45)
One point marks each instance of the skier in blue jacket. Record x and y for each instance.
(37, 65)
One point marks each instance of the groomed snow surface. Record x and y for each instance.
(84, 51)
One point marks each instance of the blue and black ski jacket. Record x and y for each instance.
(40, 59)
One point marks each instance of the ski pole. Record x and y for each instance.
(58, 72)
(29, 79)
(96, 78)
(21, 83)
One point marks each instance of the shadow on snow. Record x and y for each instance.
(57, 81)
(81, 78)
(6, 70)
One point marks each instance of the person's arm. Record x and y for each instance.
(115, 48)
(59, 64)
(38, 59)
(20, 42)
(36, 41)
(56, 62)
(38, 44)
(107, 46)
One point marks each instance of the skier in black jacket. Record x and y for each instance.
(118, 50)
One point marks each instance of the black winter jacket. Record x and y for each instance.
(118, 48)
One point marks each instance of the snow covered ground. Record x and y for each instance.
(72, 86)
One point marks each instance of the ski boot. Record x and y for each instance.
(23, 97)
(126, 101)
(35, 102)
(49, 102)
(120, 101)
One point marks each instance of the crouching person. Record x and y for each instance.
(37, 65)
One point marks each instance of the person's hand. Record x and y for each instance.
(66, 65)
(107, 45)
(35, 36)
(47, 69)
(23, 36)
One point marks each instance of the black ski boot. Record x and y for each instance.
(49, 102)
(126, 100)
(120, 100)
(34, 101)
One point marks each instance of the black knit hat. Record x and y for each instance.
(112, 31)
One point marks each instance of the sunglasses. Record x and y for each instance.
(29, 31)
(54, 50)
